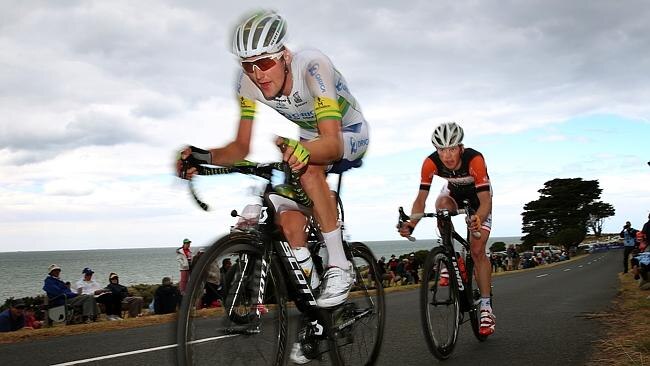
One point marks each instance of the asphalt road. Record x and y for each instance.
(542, 319)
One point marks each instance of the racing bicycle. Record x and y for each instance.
(252, 325)
(448, 290)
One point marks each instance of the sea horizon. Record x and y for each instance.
(26, 270)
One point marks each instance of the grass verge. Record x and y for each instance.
(627, 324)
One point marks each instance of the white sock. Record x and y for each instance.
(486, 303)
(335, 251)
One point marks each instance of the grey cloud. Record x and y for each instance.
(26, 145)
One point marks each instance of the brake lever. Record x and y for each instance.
(403, 217)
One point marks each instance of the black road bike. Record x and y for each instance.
(252, 326)
(448, 289)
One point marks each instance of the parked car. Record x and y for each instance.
(547, 250)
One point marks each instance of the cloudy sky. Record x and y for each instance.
(96, 97)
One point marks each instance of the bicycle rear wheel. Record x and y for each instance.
(360, 320)
(240, 332)
(439, 304)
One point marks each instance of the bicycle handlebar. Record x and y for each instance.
(262, 170)
(439, 214)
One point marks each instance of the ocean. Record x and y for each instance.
(24, 272)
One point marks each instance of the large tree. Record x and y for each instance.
(563, 204)
(598, 212)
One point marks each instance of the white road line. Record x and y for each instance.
(116, 355)
(580, 266)
(542, 275)
(568, 269)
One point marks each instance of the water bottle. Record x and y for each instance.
(307, 264)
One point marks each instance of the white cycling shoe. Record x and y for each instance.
(296, 356)
(337, 284)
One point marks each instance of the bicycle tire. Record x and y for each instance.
(360, 342)
(208, 335)
(473, 298)
(439, 304)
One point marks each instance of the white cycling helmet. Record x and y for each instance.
(263, 32)
(447, 135)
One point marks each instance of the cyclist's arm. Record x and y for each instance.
(419, 204)
(320, 78)
(427, 172)
(328, 147)
(239, 148)
(236, 150)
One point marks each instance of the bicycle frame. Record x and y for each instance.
(270, 237)
(447, 231)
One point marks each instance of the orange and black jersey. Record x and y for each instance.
(465, 182)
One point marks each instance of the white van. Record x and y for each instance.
(545, 249)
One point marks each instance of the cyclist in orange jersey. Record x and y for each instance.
(467, 179)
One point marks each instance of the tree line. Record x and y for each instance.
(563, 214)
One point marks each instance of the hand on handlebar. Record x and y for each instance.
(405, 229)
(293, 152)
(474, 223)
(189, 159)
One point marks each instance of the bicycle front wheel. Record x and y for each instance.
(473, 298)
(359, 322)
(241, 330)
(439, 303)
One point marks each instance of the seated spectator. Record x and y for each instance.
(213, 288)
(87, 286)
(392, 264)
(387, 277)
(13, 318)
(640, 268)
(58, 292)
(120, 292)
(30, 319)
(412, 267)
(166, 298)
(402, 274)
(226, 263)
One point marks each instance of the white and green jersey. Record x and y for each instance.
(319, 92)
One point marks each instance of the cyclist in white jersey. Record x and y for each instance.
(305, 88)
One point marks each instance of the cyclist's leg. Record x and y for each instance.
(483, 271)
(293, 224)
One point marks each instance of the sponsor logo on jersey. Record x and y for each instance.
(296, 98)
(341, 86)
(355, 144)
(313, 71)
(280, 104)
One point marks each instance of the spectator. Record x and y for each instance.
(629, 241)
(383, 274)
(13, 318)
(87, 286)
(412, 267)
(213, 288)
(392, 263)
(30, 319)
(226, 263)
(134, 303)
(184, 259)
(166, 298)
(58, 292)
(493, 262)
(646, 233)
(513, 258)
(641, 267)
(400, 271)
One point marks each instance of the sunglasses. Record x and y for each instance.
(262, 63)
